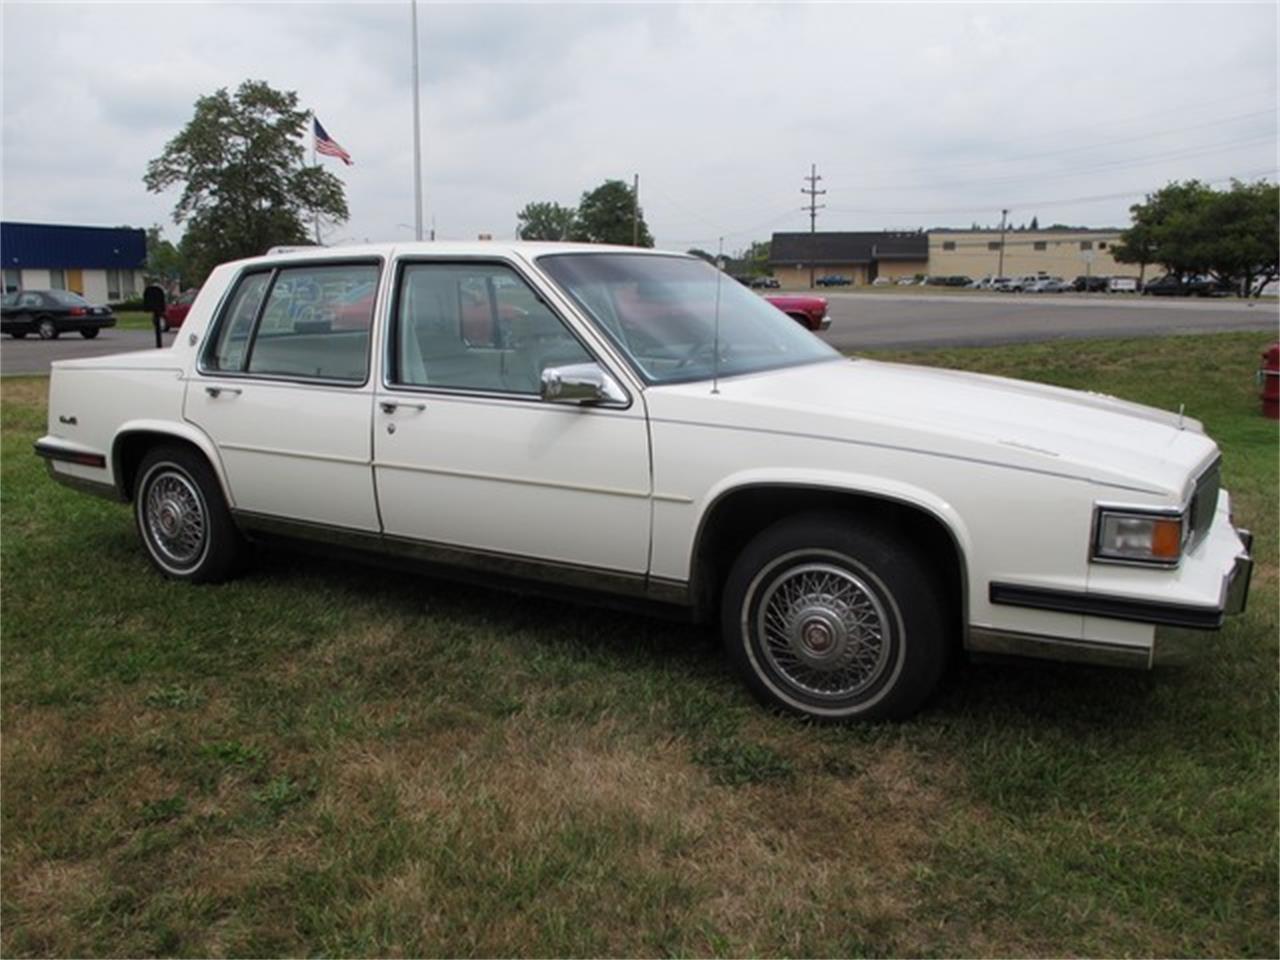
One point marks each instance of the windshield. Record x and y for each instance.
(661, 311)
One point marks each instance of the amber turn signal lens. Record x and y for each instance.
(1166, 539)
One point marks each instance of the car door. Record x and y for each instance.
(470, 462)
(283, 389)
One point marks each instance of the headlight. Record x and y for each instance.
(1130, 536)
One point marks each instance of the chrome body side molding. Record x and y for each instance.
(476, 565)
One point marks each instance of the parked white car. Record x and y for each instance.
(1049, 285)
(1122, 285)
(632, 423)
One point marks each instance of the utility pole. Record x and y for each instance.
(635, 212)
(417, 132)
(813, 207)
(1000, 269)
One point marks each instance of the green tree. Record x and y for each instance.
(1191, 229)
(546, 221)
(701, 254)
(1241, 239)
(164, 262)
(245, 187)
(607, 215)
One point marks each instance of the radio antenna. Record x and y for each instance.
(715, 345)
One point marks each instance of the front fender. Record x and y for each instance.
(833, 481)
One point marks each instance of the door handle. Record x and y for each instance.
(391, 406)
(218, 391)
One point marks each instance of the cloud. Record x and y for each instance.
(916, 115)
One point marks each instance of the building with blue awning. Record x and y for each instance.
(102, 264)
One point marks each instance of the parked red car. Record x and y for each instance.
(810, 312)
(177, 310)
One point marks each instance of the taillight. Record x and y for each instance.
(77, 311)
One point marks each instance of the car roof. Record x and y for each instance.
(526, 250)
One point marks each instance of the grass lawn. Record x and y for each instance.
(325, 759)
(133, 320)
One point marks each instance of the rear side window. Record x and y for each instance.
(237, 324)
(307, 322)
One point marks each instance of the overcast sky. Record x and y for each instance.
(917, 115)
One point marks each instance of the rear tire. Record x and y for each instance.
(182, 517)
(89, 332)
(833, 619)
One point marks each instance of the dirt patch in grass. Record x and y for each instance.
(621, 837)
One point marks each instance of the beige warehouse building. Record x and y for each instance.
(864, 257)
(1055, 253)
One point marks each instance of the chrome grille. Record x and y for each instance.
(1204, 503)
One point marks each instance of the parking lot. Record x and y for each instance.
(867, 321)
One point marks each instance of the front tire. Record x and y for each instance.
(836, 620)
(46, 329)
(183, 519)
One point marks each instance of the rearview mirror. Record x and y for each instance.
(581, 383)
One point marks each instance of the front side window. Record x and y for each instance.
(681, 319)
(476, 326)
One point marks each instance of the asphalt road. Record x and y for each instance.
(863, 321)
(33, 355)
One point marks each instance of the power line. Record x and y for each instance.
(1027, 204)
(1180, 154)
(1090, 146)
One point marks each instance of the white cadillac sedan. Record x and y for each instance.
(634, 424)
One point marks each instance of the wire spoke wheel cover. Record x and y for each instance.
(823, 629)
(176, 521)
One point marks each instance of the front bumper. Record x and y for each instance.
(1175, 606)
(825, 323)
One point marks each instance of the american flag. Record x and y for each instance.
(328, 146)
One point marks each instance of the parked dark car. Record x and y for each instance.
(766, 283)
(50, 313)
(177, 310)
(833, 280)
(1091, 284)
(1172, 285)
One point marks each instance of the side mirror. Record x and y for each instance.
(581, 383)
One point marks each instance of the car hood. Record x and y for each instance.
(948, 413)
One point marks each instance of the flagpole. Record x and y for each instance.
(417, 131)
(315, 214)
